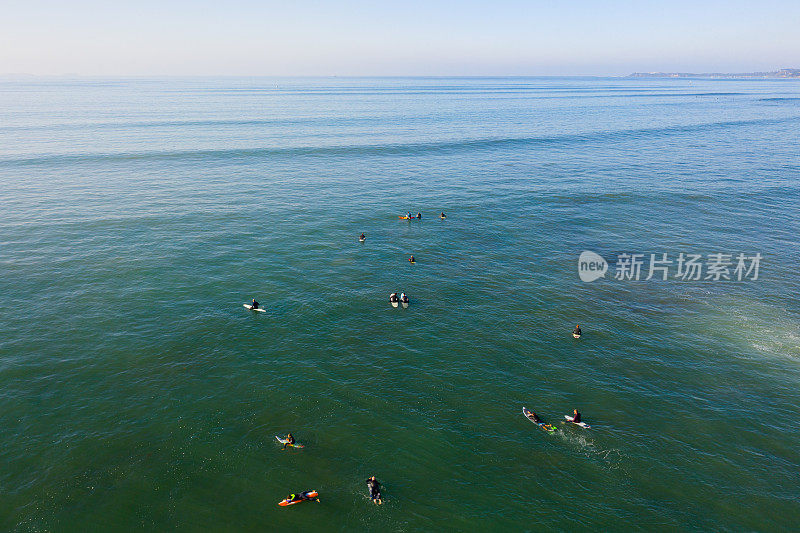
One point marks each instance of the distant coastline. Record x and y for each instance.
(782, 73)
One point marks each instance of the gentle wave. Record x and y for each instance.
(790, 99)
(413, 148)
(316, 120)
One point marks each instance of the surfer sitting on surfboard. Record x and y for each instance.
(442, 215)
(412, 260)
(362, 238)
(419, 216)
(393, 297)
(374, 490)
(289, 441)
(576, 417)
(255, 304)
(404, 298)
(577, 331)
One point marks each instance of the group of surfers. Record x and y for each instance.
(394, 299)
(409, 216)
(576, 419)
(373, 485)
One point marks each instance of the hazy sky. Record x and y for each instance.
(297, 37)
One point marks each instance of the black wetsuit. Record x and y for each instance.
(255, 304)
(536, 418)
(374, 489)
(576, 331)
(577, 418)
(419, 216)
(405, 299)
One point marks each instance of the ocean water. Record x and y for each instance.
(138, 215)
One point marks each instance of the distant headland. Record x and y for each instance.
(782, 73)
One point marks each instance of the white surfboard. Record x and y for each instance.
(284, 441)
(405, 305)
(394, 304)
(584, 425)
(250, 307)
(576, 335)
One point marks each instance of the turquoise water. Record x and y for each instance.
(139, 215)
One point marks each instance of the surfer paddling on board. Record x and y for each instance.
(300, 497)
(289, 441)
(539, 422)
(374, 490)
(255, 304)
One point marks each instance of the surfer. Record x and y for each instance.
(300, 497)
(409, 215)
(374, 490)
(577, 331)
(535, 418)
(393, 297)
(404, 298)
(255, 304)
(412, 260)
(289, 441)
(419, 216)
(442, 215)
(362, 238)
(576, 417)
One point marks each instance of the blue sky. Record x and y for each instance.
(504, 37)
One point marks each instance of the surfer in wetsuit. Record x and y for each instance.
(362, 238)
(539, 422)
(404, 298)
(576, 417)
(409, 215)
(442, 215)
(577, 330)
(300, 497)
(374, 490)
(393, 297)
(419, 216)
(255, 304)
(412, 260)
(289, 441)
